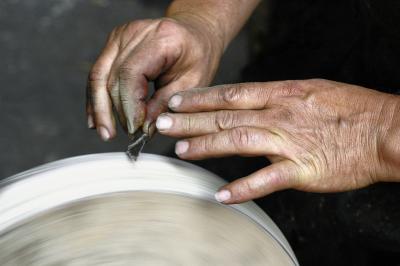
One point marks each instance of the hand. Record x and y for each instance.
(321, 136)
(176, 53)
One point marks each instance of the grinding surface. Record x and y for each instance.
(102, 209)
(141, 228)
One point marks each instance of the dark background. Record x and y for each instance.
(48, 46)
(46, 50)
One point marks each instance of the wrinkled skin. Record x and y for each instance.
(172, 52)
(321, 136)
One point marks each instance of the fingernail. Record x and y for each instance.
(175, 101)
(223, 195)
(104, 134)
(181, 147)
(164, 122)
(149, 127)
(131, 127)
(90, 121)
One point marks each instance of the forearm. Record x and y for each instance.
(391, 148)
(225, 18)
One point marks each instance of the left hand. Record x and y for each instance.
(176, 52)
(321, 136)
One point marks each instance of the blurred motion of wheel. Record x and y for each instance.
(104, 210)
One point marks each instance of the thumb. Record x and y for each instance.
(158, 104)
(278, 176)
(147, 62)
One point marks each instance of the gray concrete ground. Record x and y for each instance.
(46, 50)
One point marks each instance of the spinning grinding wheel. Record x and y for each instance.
(104, 210)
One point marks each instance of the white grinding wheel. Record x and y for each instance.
(105, 210)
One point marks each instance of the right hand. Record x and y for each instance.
(321, 136)
(177, 54)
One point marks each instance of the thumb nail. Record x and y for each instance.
(90, 122)
(223, 195)
(104, 134)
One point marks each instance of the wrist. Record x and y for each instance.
(390, 147)
(207, 31)
(206, 16)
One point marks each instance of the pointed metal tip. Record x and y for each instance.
(131, 156)
(136, 145)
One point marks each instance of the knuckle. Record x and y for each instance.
(209, 143)
(244, 189)
(195, 96)
(203, 145)
(170, 37)
(188, 123)
(225, 120)
(257, 185)
(119, 31)
(114, 34)
(164, 46)
(96, 75)
(293, 88)
(132, 25)
(231, 95)
(282, 115)
(131, 28)
(168, 27)
(96, 79)
(117, 35)
(240, 137)
(277, 179)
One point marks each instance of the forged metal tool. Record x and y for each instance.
(139, 139)
(136, 144)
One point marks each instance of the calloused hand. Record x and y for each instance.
(321, 136)
(176, 53)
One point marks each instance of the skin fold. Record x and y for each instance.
(320, 135)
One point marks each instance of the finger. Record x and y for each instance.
(127, 45)
(235, 96)
(145, 63)
(197, 124)
(278, 176)
(115, 98)
(243, 141)
(99, 106)
(158, 104)
(89, 108)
